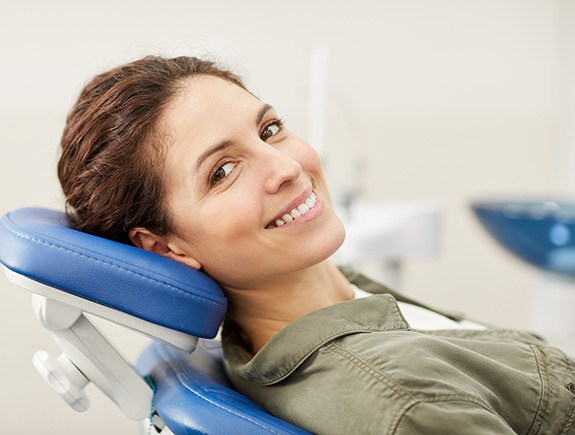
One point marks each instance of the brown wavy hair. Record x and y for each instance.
(112, 150)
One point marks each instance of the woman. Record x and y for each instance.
(178, 158)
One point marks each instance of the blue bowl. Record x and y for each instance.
(541, 233)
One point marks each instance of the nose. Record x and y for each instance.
(280, 169)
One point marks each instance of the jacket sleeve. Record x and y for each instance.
(444, 417)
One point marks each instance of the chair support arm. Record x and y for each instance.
(95, 357)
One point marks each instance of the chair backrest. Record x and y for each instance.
(76, 272)
(194, 395)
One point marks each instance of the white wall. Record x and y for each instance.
(451, 100)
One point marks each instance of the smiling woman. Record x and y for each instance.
(176, 157)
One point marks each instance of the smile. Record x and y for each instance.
(295, 213)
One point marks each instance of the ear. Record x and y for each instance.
(149, 241)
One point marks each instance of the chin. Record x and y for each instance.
(330, 243)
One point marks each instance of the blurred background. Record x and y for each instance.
(447, 101)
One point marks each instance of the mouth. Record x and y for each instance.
(294, 213)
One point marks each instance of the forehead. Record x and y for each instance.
(206, 111)
(205, 107)
(203, 97)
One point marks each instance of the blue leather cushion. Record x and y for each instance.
(38, 244)
(193, 395)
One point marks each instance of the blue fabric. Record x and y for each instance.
(38, 244)
(193, 395)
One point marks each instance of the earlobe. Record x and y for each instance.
(149, 241)
(175, 253)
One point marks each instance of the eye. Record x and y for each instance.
(221, 172)
(271, 129)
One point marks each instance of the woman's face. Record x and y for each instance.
(247, 197)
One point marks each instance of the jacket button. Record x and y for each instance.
(571, 387)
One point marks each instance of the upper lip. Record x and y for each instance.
(293, 204)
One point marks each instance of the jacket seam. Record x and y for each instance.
(441, 398)
(569, 419)
(411, 400)
(543, 396)
(370, 370)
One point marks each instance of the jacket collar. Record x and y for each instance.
(374, 287)
(290, 347)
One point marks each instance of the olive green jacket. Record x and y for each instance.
(358, 368)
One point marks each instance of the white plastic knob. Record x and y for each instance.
(61, 381)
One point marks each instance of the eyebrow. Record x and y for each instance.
(223, 145)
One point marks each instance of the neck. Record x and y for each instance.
(262, 312)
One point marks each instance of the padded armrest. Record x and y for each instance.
(37, 243)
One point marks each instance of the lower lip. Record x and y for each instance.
(312, 213)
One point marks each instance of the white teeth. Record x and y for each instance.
(295, 213)
(303, 208)
(300, 210)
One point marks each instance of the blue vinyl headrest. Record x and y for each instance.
(38, 244)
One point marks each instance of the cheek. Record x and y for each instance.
(228, 244)
(224, 222)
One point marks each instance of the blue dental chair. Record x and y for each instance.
(178, 385)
